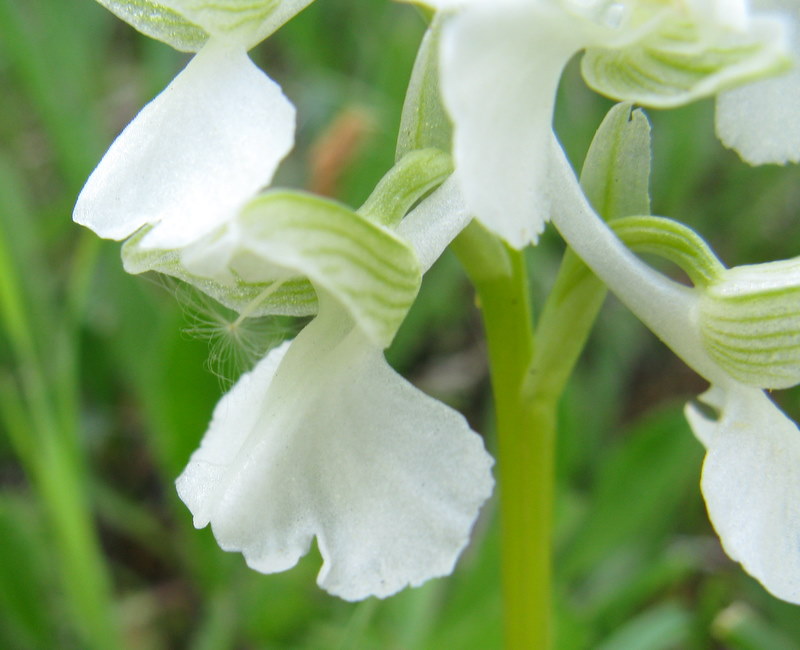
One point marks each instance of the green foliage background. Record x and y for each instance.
(103, 397)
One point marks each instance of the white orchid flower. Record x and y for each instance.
(323, 439)
(501, 61)
(210, 141)
(741, 333)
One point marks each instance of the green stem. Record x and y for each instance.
(526, 436)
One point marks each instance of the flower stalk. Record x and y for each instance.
(526, 437)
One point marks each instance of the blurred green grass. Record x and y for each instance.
(103, 397)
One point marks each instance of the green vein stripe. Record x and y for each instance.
(229, 17)
(776, 366)
(159, 21)
(370, 265)
(745, 349)
(765, 299)
(394, 266)
(332, 256)
(747, 334)
(369, 297)
(749, 318)
(353, 229)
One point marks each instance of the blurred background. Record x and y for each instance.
(104, 394)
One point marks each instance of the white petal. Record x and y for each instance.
(751, 484)
(500, 71)
(761, 120)
(192, 156)
(337, 445)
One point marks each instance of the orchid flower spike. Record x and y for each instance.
(322, 438)
(501, 60)
(739, 329)
(210, 141)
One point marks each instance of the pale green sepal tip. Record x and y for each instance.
(368, 269)
(616, 172)
(677, 66)
(672, 241)
(750, 323)
(414, 175)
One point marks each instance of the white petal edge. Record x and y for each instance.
(761, 120)
(751, 484)
(193, 155)
(335, 444)
(499, 74)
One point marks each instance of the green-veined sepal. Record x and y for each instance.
(750, 323)
(279, 296)
(682, 62)
(263, 261)
(367, 268)
(672, 241)
(160, 21)
(187, 24)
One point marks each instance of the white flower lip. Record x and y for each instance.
(751, 479)
(322, 439)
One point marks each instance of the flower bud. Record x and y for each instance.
(750, 323)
